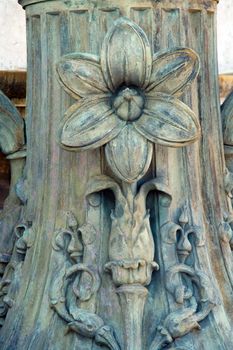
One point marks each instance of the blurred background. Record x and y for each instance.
(13, 36)
(13, 62)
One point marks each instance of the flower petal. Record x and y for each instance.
(168, 121)
(89, 124)
(129, 154)
(172, 71)
(126, 55)
(81, 75)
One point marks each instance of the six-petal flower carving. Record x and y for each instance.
(129, 99)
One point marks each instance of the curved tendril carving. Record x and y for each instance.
(95, 281)
(190, 308)
(69, 276)
(194, 293)
(190, 311)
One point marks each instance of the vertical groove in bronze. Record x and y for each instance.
(57, 29)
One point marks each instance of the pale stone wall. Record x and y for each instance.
(12, 36)
(13, 41)
(225, 36)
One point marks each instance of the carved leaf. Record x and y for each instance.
(169, 232)
(80, 75)
(129, 154)
(173, 70)
(90, 124)
(126, 55)
(157, 184)
(183, 219)
(26, 237)
(72, 222)
(168, 121)
(105, 336)
(103, 182)
(11, 126)
(131, 243)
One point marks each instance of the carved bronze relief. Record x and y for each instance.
(12, 144)
(74, 246)
(128, 102)
(124, 233)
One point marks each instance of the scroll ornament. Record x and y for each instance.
(191, 309)
(75, 282)
(193, 291)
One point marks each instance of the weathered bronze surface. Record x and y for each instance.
(124, 235)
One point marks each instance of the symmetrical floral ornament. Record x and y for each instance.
(129, 99)
(176, 237)
(131, 245)
(193, 291)
(74, 281)
(131, 248)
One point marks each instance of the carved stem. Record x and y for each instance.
(129, 190)
(132, 298)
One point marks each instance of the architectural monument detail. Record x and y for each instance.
(123, 238)
(12, 141)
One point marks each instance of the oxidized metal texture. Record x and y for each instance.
(128, 99)
(11, 127)
(87, 242)
(12, 142)
(178, 3)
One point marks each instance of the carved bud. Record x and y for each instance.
(129, 154)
